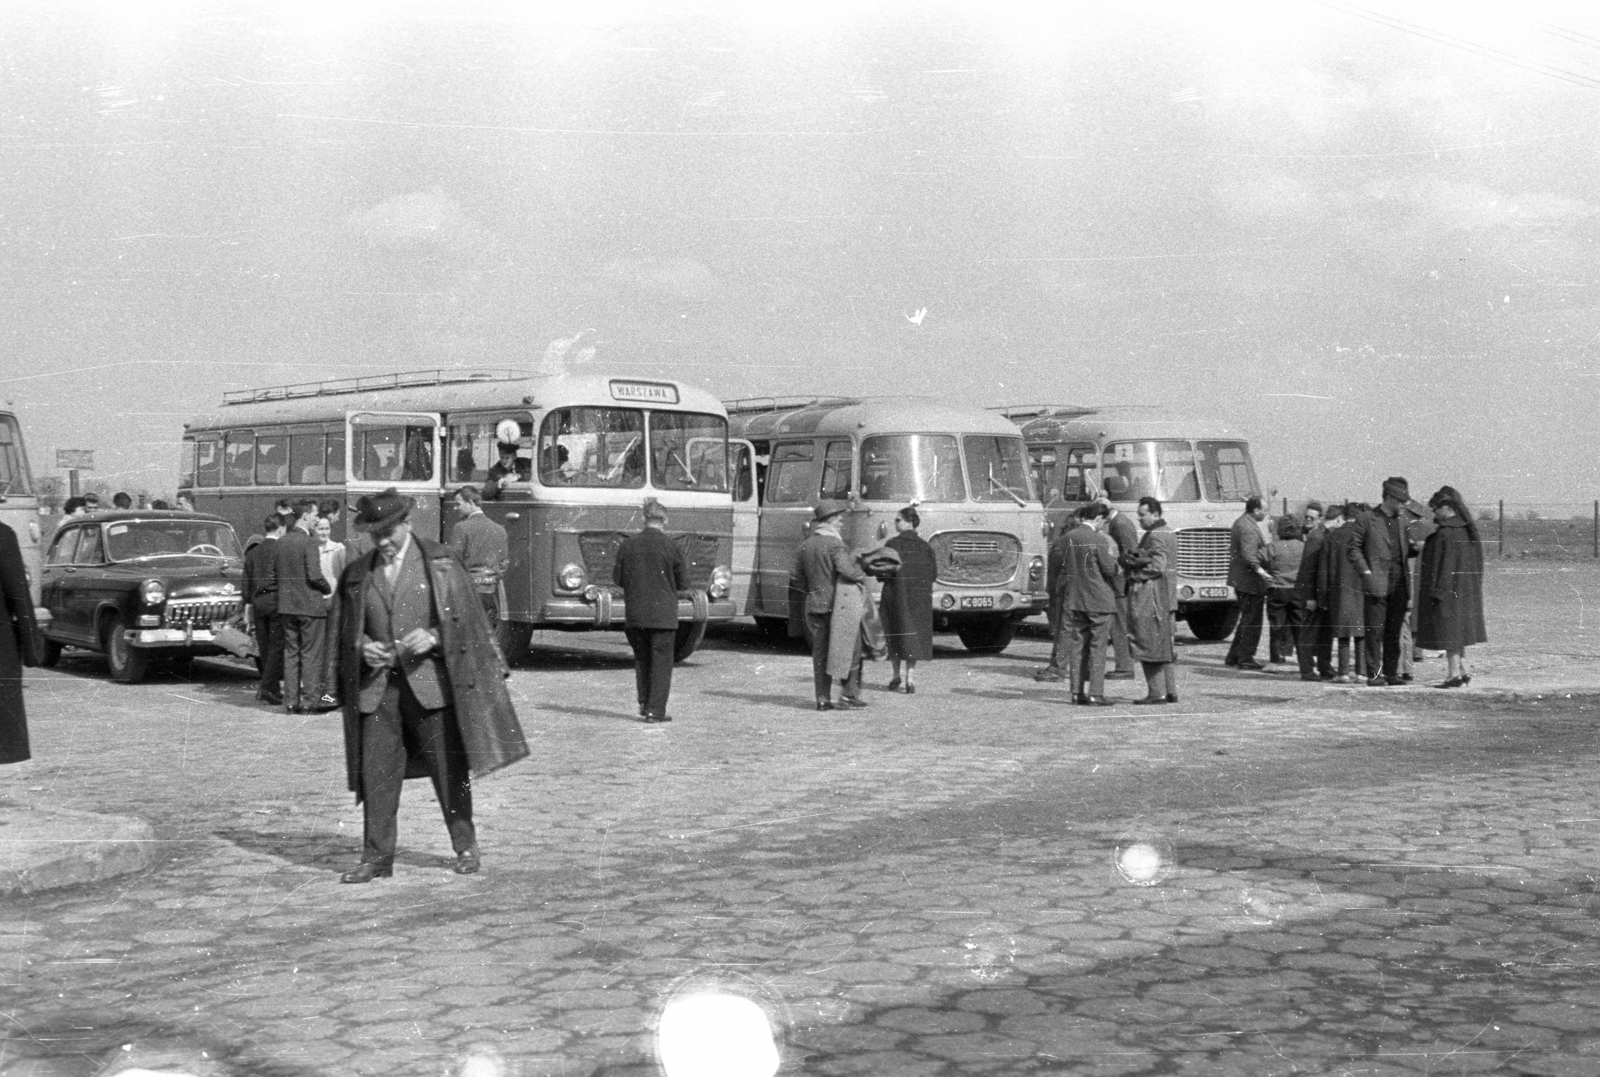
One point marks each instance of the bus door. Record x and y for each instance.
(746, 523)
(789, 494)
(397, 449)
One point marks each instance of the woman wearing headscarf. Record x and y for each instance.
(1450, 586)
(906, 605)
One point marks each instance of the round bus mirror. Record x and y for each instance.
(507, 431)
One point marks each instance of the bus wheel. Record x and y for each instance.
(128, 663)
(1213, 622)
(514, 639)
(989, 636)
(689, 636)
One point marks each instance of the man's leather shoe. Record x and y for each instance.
(366, 871)
(852, 703)
(467, 862)
(1172, 697)
(270, 700)
(1380, 682)
(1093, 701)
(648, 717)
(1254, 666)
(824, 705)
(1150, 701)
(1049, 675)
(1120, 675)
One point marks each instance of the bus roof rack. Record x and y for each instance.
(1022, 412)
(784, 403)
(338, 386)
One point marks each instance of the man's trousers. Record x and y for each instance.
(819, 626)
(1316, 645)
(399, 719)
(269, 652)
(1247, 636)
(1086, 650)
(303, 660)
(652, 666)
(1385, 616)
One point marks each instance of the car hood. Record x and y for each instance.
(191, 577)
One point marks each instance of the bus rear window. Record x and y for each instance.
(14, 479)
(908, 467)
(1227, 470)
(592, 447)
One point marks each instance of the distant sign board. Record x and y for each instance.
(644, 392)
(75, 459)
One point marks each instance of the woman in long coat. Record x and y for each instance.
(16, 648)
(906, 604)
(1450, 586)
(1152, 572)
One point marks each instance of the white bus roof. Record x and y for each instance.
(1049, 424)
(446, 391)
(761, 418)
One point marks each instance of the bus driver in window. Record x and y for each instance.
(509, 468)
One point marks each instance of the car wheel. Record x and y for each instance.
(49, 652)
(128, 663)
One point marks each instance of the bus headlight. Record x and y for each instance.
(721, 582)
(1186, 593)
(571, 577)
(947, 602)
(1036, 570)
(152, 592)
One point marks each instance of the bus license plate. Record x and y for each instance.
(978, 602)
(1213, 592)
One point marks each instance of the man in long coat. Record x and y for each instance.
(1088, 573)
(1315, 653)
(651, 570)
(1379, 549)
(423, 685)
(1338, 589)
(1249, 575)
(820, 565)
(1125, 534)
(1152, 574)
(261, 595)
(17, 643)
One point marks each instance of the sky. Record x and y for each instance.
(1364, 233)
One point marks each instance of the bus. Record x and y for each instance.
(19, 504)
(965, 469)
(1200, 471)
(590, 447)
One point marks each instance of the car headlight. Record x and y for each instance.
(572, 577)
(152, 592)
(721, 582)
(1036, 569)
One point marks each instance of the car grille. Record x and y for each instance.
(1203, 553)
(183, 612)
(976, 558)
(599, 550)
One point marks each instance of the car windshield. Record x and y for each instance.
(141, 540)
(997, 468)
(911, 467)
(1160, 469)
(1226, 468)
(688, 451)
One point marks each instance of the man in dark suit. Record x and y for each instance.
(422, 683)
(1378, 550)
(1088, 601)
(651, 571)
(302, 612)
(822, 562)
(261, 594)
(483, 547)
(1249, 576)
(1125, 534)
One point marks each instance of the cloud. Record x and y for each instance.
(419, 221)
(678, 279)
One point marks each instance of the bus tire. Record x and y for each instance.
(690, 634)
(1213, 622)
(514, 637)
(49, 652)
(988, 636)
(128, 664)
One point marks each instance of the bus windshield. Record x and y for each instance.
(601, 447)
(142, 540)
(911, 467)
(688, 451)
(997, 468)
(14, 480)
(1160, 469)
(1227, 471)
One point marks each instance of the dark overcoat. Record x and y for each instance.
(906, 604)
(651, 570)
(1339, 589)
(1088, 571)
(1247, 552)
(474, 671)
(1450, 589)
(16, 648)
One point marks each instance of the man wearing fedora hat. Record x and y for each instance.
(423, 685)
(1378, 549)
(820, 564)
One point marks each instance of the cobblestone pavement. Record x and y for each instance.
(1272, 877)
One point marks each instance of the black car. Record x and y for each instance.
(139, 585)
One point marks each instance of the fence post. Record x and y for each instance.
(1502, 527)
(1597, 529)
(1286, 506)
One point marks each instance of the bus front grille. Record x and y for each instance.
(976, 558)
(1203, 553)
(600, 555)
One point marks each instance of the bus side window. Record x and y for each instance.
(792, 475)
(335, 457)
(272, 459)
(743, 472)
(239, 458)
(836, 471)
(208, 462)
(186, 465)
(306, 461)
(418, 465)
(1077, 478)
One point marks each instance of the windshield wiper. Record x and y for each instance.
(1004, 489)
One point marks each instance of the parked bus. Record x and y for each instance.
(590, 449)
(965, 469)
(19, 504)
(1200, 471)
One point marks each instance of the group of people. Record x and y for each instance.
(1339, 580)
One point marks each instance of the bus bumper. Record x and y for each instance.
(949, 604)
(605, 609)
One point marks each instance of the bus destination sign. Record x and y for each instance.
(644, 392)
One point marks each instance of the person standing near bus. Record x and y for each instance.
(1087, 580)
(820, 565)
(261, 595)
(485, 549)
(1249, 577)
(906, 602)
(1379, 550)
(651, 570)
(1152, 573)
(303, 610)
(422, 683)
(17, 648)
(1126, 536)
